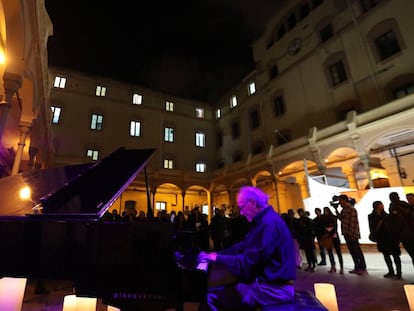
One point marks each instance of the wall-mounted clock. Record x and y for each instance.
(294, 46)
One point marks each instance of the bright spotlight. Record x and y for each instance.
(25, 193)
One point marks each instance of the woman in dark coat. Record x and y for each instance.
(330, 224)
(386, 244)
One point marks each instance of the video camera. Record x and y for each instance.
(335, 202)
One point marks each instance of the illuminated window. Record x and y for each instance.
(135, 128)
(200, 139)
(218, 113)
(93, 154)
(199, 113)
(137, 99)
(169, 106)
(56, 114)
(251, 88)
(200, 167)
(169, 134)
(96, 122)
(161, 205)
(233, 101)
(168, 164)
(100, 90)
(60, 82)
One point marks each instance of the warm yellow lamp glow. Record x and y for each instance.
(2, 58)
(110, 308)
(73, 303)
(326, 294)
(409, 293)
(25, 193)
(12, 293)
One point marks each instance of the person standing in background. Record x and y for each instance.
(319, 231)
(350, 230)
(386, 244)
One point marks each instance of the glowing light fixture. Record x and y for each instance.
(110, 308)
(12, 293)
(25, 193)
(2, 58)
(326, 294)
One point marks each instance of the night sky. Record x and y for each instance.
(196, 49)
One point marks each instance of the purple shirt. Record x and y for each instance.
(267, 252)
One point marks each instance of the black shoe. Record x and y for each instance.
(389, 275)
(322, 263)
(398, 277)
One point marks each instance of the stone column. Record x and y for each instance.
(24, 130)
(12, 83)
(276, 191)
(33, 152)
(210, 204)
(350, 176)
(365, 159)
(304, 185)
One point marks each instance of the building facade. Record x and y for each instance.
(330, 99)
(24, 112)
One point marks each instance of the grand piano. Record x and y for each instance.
(58, 232)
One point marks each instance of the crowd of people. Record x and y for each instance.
(313, 237)
(221, 232)
(263, 249)
(389, 230)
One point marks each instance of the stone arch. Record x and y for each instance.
(394, 152)
(169, 193)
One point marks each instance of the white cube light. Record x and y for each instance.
(12, 293)
(409, 293)
(325, 292)
(74, 303)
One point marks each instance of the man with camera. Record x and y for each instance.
(350, 230)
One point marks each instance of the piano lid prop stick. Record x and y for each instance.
(12, 293)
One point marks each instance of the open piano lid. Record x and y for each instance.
(84, 191)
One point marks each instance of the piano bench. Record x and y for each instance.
(303, 301)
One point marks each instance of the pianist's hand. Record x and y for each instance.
(206, 257)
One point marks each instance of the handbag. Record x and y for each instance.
(326, 241)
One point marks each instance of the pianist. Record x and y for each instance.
(264, 262)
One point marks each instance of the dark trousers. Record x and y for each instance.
(337, 246)
(409, 247)
(356, 253)
(244, 296)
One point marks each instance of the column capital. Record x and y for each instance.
(25, 127)
(12, 82)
